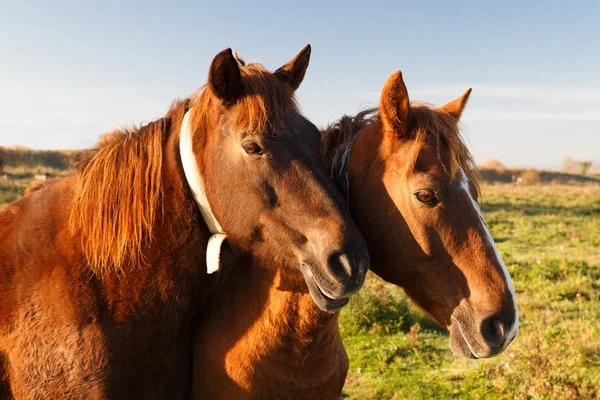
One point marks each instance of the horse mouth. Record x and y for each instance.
(465, 343)
(458, 342)
(319, 292)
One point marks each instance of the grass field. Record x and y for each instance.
(19, 178)
(549, 236)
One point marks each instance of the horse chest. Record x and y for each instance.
(290, 364)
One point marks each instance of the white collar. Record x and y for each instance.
(194, 180)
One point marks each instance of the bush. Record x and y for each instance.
(60, 160)
(531, 177)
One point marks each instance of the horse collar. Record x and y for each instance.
(340, 166)
(194, 180)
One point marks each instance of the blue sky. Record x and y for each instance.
(69, 71)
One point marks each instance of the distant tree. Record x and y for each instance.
(584, 167)
(569, 166)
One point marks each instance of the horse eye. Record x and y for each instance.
(426, 197)
(252, 148)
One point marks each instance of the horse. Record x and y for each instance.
(412, 188)
(102, 272)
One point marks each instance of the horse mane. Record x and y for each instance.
(426, 122)
(339, 134)
(262, 108)
(118, 194)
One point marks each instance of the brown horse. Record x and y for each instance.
(412, 189)
(102, 272)
(413, 192)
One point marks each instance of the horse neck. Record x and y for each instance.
(280, 325)
(182, 221)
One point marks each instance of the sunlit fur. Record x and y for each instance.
(118, 194)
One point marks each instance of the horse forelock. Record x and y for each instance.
(262, 108)
(430, 123)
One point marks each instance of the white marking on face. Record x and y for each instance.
(514, 329)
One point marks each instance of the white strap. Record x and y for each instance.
(213, 252)
(192, 175)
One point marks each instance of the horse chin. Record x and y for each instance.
(458, 343)
(322, 301)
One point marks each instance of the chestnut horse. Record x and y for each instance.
(413, 191)
(102, 272)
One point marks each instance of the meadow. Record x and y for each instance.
(549, 237)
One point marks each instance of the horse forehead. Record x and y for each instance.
(430, 164)
(266, 125)
(298, 132)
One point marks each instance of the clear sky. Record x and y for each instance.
(69, 71)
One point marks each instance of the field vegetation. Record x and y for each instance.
(549, 237)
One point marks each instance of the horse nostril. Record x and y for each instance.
(341, 266)
(493, 331)
(345, 262)
(348, 271)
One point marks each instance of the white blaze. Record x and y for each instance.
(514, 329)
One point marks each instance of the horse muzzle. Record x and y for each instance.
(332, 284)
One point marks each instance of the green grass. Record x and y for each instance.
(549, 237)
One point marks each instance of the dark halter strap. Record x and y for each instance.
(339, 168)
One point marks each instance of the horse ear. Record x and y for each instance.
(224, 78)
(394, 109)
(456, 107)
(293, 71)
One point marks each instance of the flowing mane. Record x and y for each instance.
(426, 122)
(118, 193)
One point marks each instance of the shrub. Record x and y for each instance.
(492, 163)
(531, 177)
